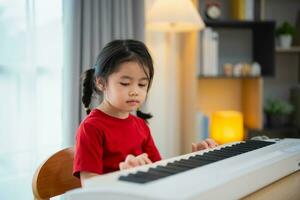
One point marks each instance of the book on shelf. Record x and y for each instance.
(202, 126)
(209, 62)
(242, 9)
(249, 9)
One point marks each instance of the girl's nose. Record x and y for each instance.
(133, 94)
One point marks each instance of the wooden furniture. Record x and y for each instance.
(241, 94)
(54, 176)
(285, 188)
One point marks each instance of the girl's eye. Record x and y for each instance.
(124, 84)
(142, 85)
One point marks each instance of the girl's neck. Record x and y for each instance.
(109, 109)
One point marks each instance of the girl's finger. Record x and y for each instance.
(147, 160)
(141, 161)
(144, 155)
(122, 165)
(129, 157)
(131, 161)
(210, 143)
(214, 142)
(194, 147)
(202, 145)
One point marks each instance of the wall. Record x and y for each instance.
(164, 97)
(286, 63)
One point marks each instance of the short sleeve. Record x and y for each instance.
(149, 146)
(88, 150)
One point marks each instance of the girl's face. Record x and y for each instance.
(126, 89)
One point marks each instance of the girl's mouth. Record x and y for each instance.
(133, 102)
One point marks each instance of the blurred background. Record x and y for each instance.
(230, 56)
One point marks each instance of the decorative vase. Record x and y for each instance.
(285, 41)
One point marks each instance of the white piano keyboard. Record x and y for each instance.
(230, 171)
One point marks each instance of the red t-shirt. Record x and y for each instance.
(103, 141)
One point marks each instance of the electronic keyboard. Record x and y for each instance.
(229, 171)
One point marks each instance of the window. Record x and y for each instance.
(31, 87)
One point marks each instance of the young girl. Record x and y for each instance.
(110, 138)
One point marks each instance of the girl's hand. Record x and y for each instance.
(134, 161)
(205, 144)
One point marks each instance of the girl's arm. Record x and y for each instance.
(86, 175)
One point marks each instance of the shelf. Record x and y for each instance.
(237, 24)
(263, 41)
(228, 77)
(294, 49)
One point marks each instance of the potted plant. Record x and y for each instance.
(278, 113)
(285, 33)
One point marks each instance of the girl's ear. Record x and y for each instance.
(100, 84)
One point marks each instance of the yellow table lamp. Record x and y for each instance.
(227, 126)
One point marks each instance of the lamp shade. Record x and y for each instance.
(174, 16)
(227, 126)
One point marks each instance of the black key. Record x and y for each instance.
(193, 162)
(162, 170)
(155, 173)
(205, 162)
(249, 148)
(169, 169)
(149, 175)
(189, 165)
(217, 157)
(245, 147)
(133, 179)
(158, 173)
(259, 142)
(177, 166)
(208, 158)
(224, 154)
(199, 162)
(237, 151)
(235, 148)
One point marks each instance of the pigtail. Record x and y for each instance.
(144, 116)
(88, 86)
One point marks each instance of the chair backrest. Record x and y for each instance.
(54, 176)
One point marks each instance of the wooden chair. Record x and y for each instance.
(54, 176)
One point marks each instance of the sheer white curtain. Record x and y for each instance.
(88, 26)
(39, 111)
(30, 85)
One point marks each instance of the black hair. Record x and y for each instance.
(112, 55)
